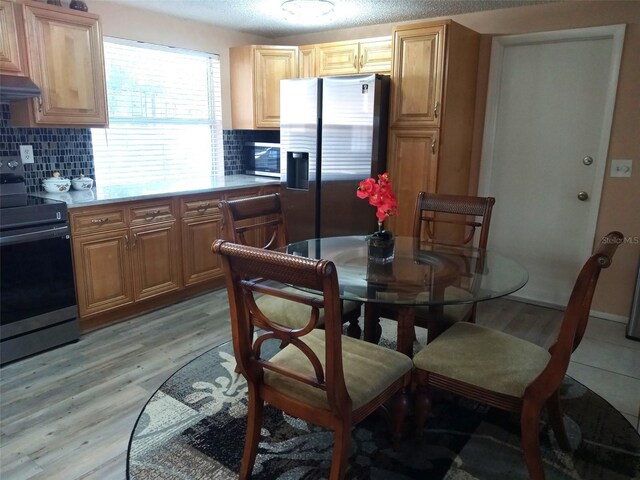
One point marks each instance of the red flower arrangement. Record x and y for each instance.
(380, 195)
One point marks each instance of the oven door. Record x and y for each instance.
(37, 289)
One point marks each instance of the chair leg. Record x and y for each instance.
(422, 407)
(254, 425)
(529, 425)
(341, 448)
(399, 410)
(557, 424)
(353, 330)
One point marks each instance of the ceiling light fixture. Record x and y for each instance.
(307, 10)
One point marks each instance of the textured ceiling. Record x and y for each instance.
(264, 17)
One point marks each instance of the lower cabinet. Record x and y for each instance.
(133, 257)
(102, 271)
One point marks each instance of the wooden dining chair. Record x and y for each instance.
(260, 222)
(507, 372)
(451, 219)
(320, 376)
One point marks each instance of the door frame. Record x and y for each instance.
(499, 44)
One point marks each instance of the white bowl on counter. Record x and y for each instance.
(82, 183)
(56, 184)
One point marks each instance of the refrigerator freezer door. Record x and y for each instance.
(299, 149)
(353, 148)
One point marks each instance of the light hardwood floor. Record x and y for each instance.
(68, 413)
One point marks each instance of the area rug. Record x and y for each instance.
(194, 427)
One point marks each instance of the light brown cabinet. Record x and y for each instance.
(256, 72)
(13, 48)
(124, 254)
(346, 58)
(432, 110)
(201, 224)
(66, 61)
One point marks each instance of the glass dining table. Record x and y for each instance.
(420, 274)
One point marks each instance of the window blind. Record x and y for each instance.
(165, 115)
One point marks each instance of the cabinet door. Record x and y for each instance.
(13, 59)
(307, 61)
(271, 66)
(199, 263)
(418, 64)
(413, 167)
(340, 58)
(66, 62)
(156, 259)
(102, 271)
(375, 56)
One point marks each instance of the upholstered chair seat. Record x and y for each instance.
(484, 357)
(368, 370)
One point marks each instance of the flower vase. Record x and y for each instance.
(381, 246)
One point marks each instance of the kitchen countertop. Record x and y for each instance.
(148, 191)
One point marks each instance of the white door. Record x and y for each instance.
(549, 113)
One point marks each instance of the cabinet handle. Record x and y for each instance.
(126, 241)
(355, 62)
(202, 207)
(433, 146)
(40, 104)
(152, 214)
(99, 221)
(135, 239)
(435, 109)
(362, 60)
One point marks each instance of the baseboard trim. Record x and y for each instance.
(593, 313)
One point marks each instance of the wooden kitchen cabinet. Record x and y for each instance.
(102, 272)
(201, 225)
(307, 61)
(124, 254)
(256, 72)
(432, 110)
(349, 58)
(66, 61)
(13, 48)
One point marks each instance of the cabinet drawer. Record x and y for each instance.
(144, 214)
(98, 220)
(199, 206)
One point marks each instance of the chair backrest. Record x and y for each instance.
(435, 212)
(576, 316)
(242, 264)
(255, 221)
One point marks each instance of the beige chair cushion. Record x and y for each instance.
(368, 370)
(293, 314)
(483, 357)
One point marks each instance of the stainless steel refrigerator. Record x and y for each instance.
(333, 135)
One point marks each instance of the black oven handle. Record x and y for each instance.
(9, 238)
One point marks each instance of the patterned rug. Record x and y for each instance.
(194, 426)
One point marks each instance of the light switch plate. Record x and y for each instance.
(621, 168)
(26, 153)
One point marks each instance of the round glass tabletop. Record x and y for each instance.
(420, 273)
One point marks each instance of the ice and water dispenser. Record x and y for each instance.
(298, 170)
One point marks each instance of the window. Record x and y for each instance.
(165, 115)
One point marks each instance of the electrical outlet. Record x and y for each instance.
(26, 153)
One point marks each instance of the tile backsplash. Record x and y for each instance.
(69, 150)
(66, 150)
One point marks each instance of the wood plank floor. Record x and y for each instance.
(68, 413)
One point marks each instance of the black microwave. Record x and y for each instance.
(263, 159)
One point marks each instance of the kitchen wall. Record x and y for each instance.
(67, 150)
(620, 196)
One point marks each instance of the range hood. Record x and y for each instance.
(14, 88)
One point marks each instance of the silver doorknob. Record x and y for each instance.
(582, 196)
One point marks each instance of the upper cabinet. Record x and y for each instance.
(66, 61)
(13, 50)
(347, 58)
(256, 72)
